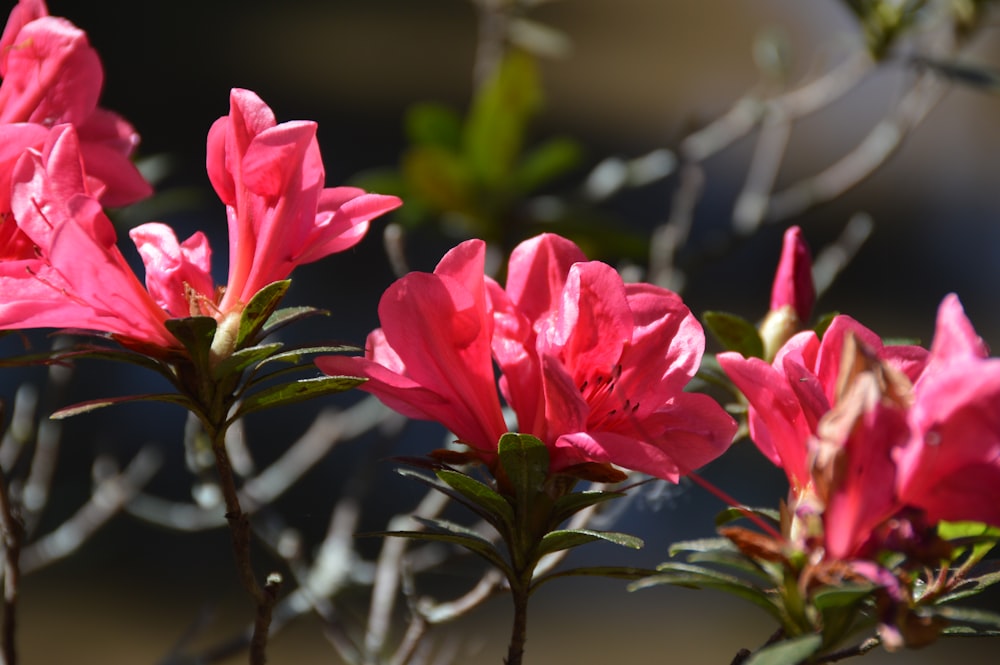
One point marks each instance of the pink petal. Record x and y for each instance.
(173, 269)
(537, 272)
(793, 282)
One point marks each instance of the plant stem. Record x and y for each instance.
(239, 527)
(519, 629)
(13, 532)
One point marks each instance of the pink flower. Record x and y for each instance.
(792, 294)
(867, 433)
(74, 276)
(596, 368)
(950, 467)
(591, 366)
(51, 76)
(431, 358)
(271, 179)
(788, 396)
(77, 278)
(793, 283)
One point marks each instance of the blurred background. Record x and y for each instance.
(634, 79)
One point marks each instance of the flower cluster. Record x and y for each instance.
(64, 158)
(880, 443)
(593, 367)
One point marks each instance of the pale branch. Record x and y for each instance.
(832, 259)
(327, 430)
(388, 571)
(112, 491)
(875, 148)
(751, 109)
(21, 428)
(668, 239)
(769, 153)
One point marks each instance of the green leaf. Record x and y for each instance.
(546, 162)
(842, 596)
(525, 461)
(259, 310)
(439, 485)
(564, 539)
(734, 333)
(787, 652)
(972, 586)
(823, 322)
(94, 404)
(296, 391)
(616, 572)
(569, 504)
(196, 334)
(973, 531)
(700, 577)
(94, 352)
(438, 177)
(481, 495)
(243, 358)
(286, 315)
(434, 124)
(733, 513)
(475, 544)
(703, 545)
(969, 615)
(294, 355)
(495, 127)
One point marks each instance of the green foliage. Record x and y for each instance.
(526, 505)
(475, 173)
(819, 604)
(735, 333)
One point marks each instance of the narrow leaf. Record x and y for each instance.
(94, 404)
(788, 652)
(569, 504)
(564, 539)
(733, 513)
(243, 358)
(196, 334)
(735, 333)
(294, 355)
(437, 484)
(296, 391)
(699, 577)
(478, 546)
(703, 545)
(525, 461)
(286, 315)
(480, 494)
(259, 310)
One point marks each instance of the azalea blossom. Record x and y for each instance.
(77, 278)
(868, 432)
(591, 366)
(793, 293)
(950, 467)
(787, 397)
(52, 76)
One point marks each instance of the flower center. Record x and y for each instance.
(608, 406)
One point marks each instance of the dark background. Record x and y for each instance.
(641, 74)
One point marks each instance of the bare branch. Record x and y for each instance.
(111, 492)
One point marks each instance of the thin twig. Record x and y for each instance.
(13, 535)
(110, 494)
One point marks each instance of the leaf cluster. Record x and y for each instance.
(526, 507)
(257, 375)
